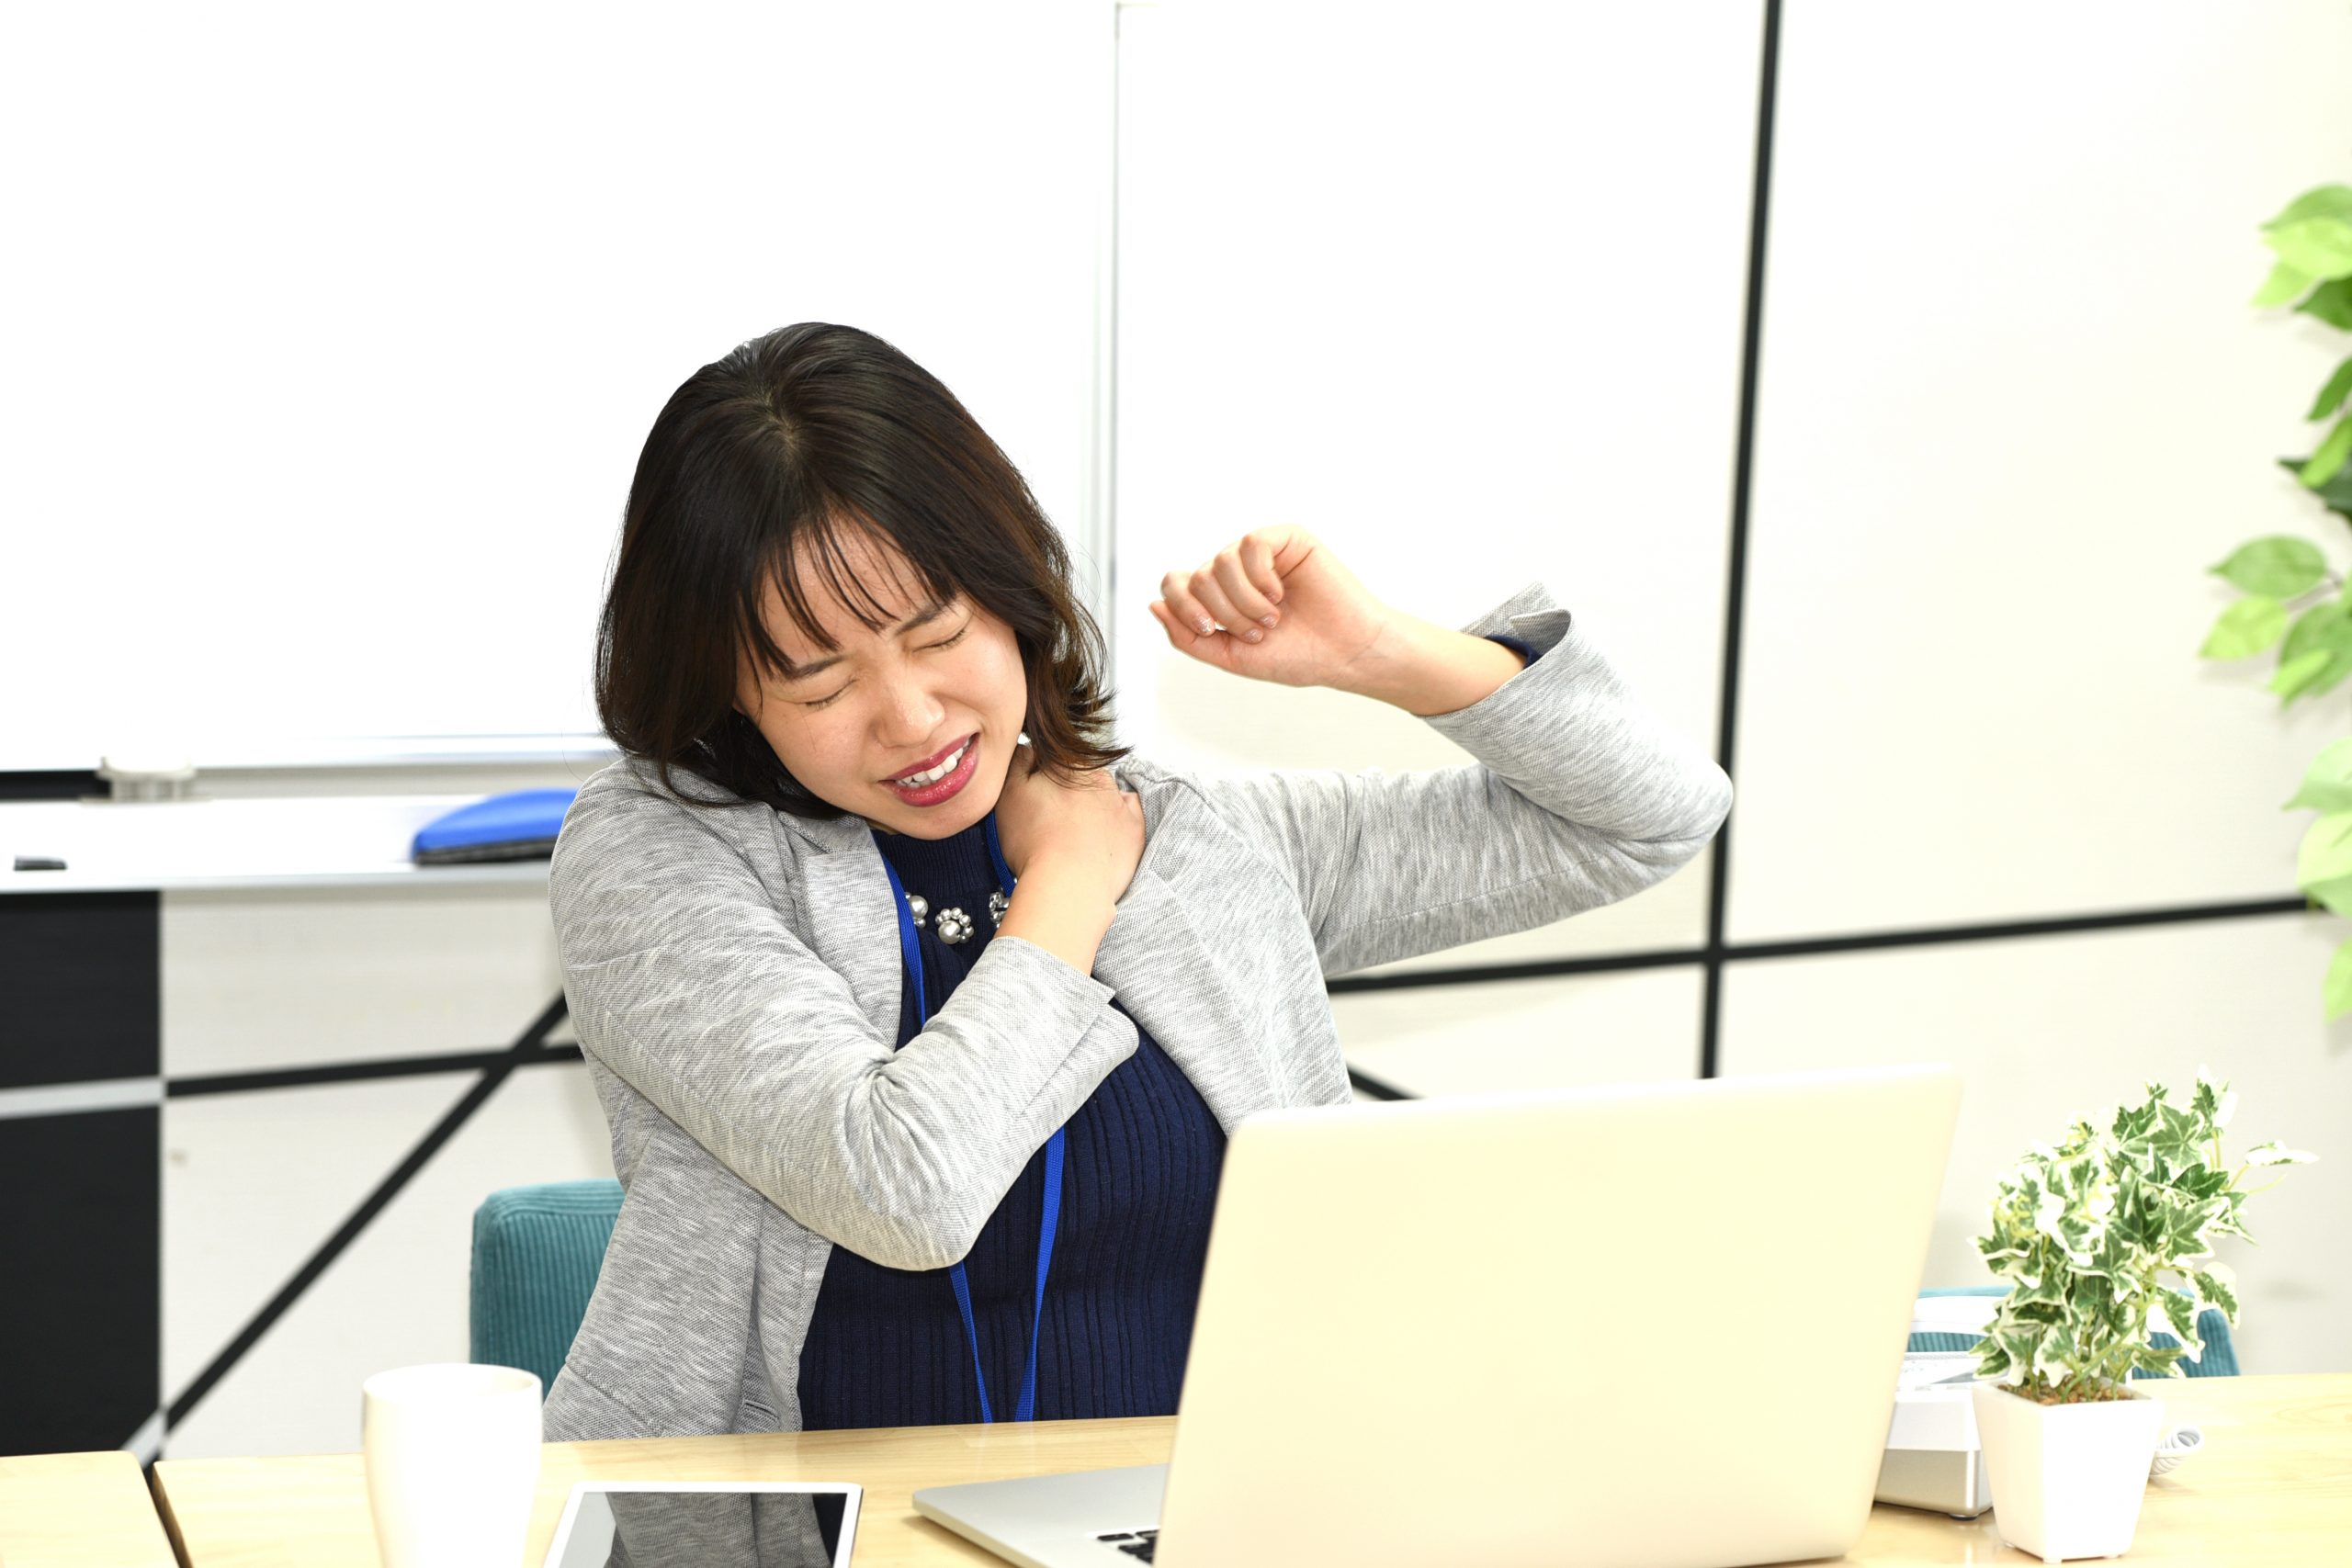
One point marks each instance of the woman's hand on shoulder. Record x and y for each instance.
(1310, 619)
(1089, 829)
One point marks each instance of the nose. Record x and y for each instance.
(909, 711)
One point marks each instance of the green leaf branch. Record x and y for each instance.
(2110, 1235)
(2291, 601)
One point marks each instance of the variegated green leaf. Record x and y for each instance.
(2215, 1292)
(2180, 1314)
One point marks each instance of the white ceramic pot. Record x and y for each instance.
(2067, 1480)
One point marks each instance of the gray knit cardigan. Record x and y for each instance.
(733, 973)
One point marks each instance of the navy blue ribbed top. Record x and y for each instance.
(886, 1348)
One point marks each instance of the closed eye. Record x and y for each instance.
(828, 701)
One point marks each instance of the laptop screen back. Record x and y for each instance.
(1625, 1325)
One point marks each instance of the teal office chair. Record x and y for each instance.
(2220, 1360)
(537, 1254)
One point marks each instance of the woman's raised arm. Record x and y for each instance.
(1580, 798)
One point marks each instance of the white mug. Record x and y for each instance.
(453, 1463)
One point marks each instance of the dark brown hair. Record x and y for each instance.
(805, 433)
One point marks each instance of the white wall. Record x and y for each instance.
(1464, 297)
(337, 329)
(2013, 405)
(1404, 287)
(1464, 294)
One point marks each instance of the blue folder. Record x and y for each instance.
(519, 825)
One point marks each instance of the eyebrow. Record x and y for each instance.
(922, 617)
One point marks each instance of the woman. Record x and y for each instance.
(919, 1088)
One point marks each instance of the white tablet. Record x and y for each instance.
(709, 1524)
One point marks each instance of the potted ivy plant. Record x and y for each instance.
(2103, 1238)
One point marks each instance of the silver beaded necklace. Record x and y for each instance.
(955, 925)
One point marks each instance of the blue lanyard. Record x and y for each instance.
(911, 950)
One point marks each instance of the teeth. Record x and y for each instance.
(915, 781)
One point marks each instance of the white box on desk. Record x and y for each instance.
(1933, 1459)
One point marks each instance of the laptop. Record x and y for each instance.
(1641, 1327)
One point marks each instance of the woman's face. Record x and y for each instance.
(892, 702)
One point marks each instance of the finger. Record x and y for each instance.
(1185, 640)
(1181, 637)
(1236, 621)
(1259, 558)
(1244, 595)
(1179, 589)
(1291, 546)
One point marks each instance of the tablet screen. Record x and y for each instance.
(709, 1524)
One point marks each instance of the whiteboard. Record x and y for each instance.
(330, 335)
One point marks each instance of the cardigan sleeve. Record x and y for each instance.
(687, 985)
(1577, 798)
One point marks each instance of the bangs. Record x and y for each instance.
(824, 532)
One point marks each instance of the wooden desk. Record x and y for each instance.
(2272, 1485)
(64, 1510)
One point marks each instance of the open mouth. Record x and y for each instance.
(944, 779)
(945, 765)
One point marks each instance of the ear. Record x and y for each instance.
(735, 701)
